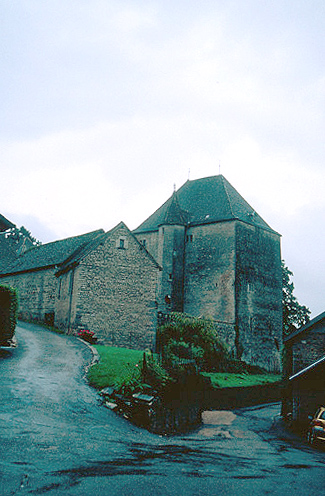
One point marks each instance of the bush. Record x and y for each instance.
(193, 338)
(8, 313)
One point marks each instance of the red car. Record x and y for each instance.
(316, 430)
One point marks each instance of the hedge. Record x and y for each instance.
(8, 313)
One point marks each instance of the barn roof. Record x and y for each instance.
(205, 201)
(50, 254)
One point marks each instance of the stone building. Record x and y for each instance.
(105, 282)
(205, 252)
(220, 260)
(305, 346)
(304, 370)
(307, 392)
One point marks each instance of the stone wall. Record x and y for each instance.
(37, 293)
(113, 293)
(258, 296)
(209, 284)
(308, 347)
(210, 271)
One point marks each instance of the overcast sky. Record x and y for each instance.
(105, 105)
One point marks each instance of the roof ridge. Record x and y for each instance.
(223, 180)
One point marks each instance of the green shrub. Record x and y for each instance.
(8, 313)
(154, 374)
(193, 338)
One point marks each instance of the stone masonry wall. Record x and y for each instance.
(259, 296)
(209, 284)
(114, 292)
(37, 292)
(309, 347)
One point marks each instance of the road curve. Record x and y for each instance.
(56, 438)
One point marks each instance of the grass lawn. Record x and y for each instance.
(224, 379)
(116, 366)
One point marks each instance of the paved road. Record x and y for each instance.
(56, 439)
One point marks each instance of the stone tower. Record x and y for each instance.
(221, 260)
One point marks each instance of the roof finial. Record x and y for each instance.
(188, 175)
(219, 168)
(174, 187)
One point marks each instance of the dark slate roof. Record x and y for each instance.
(305, 328)
(8, 253)
(50, 254)
(5, 223)
(205, 201)
(173, 214)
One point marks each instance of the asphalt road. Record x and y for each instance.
(56, 438)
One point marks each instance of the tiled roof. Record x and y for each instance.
(208, 200)
(50, 254)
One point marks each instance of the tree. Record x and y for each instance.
(294, 314)
(19, 234)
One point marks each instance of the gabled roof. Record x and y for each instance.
(50, 254)
(5, 223)
(83, 251)
(306, 327)
(205, 201)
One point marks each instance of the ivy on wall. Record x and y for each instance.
(8, 313)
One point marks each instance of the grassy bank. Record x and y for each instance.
(119, 366)
(226, 380)
(116, 367)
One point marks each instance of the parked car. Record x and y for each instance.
(316, 431)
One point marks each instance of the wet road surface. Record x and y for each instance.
(56, 438)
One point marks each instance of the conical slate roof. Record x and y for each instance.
(205, 201)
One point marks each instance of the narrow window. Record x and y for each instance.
(170, 277)
(122, 243)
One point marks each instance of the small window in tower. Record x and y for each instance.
(170, 277)
(144, 242)
(189, 238)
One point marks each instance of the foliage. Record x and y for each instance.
(193, 338)
(154, 374)
(294, 314)
(115, 367)
(8, 313)
(223, 379)
(19, 233)
(86, 335)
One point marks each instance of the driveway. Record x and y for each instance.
(56, 438)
